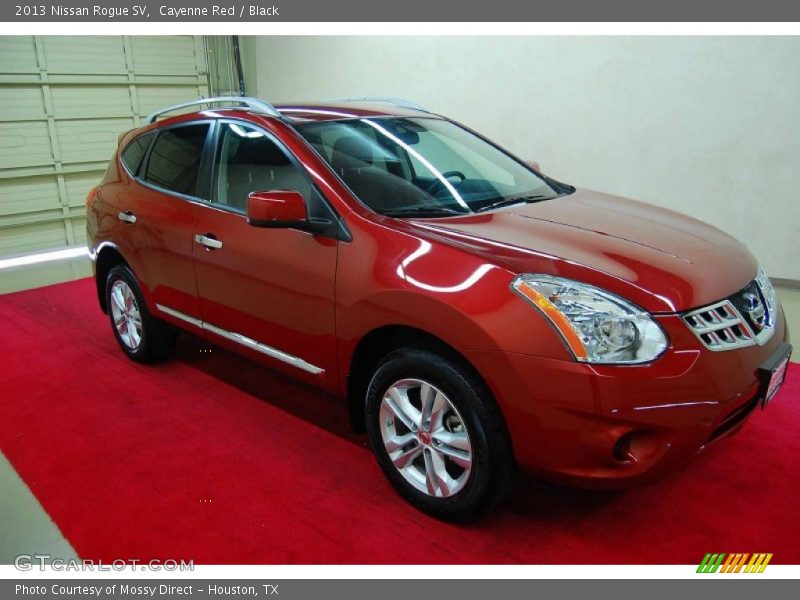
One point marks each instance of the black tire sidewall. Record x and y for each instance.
(473, 403)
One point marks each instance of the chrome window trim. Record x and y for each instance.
(244, 341)
(178, 195)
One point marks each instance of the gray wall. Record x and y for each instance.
(709, 126)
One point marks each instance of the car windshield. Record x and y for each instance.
(425, 167)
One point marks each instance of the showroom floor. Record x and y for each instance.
(139, 462)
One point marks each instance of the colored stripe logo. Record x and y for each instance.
(737, 562)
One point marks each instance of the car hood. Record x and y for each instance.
(659, 259)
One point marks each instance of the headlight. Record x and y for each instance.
(598, 326)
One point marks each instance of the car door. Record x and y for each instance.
(157, 216)
(270, 291)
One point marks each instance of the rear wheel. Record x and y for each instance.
(438, 434)
(140, 335)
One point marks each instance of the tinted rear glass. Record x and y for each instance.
(134, 152)
(174, 162)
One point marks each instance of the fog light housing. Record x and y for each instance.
(640, 446)
(622, 451)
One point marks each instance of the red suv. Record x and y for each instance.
(476, 314)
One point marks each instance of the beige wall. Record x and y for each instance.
(707, 126)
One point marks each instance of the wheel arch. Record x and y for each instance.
(374, 346)
(108, 256)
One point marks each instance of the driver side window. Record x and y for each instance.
(249, 161)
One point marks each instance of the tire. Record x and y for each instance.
(456, 463)
(141, 336)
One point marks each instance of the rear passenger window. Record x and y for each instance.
(134, 152)
(174, 162)
(251, 162)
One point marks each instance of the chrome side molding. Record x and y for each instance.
(179, 315)
(244, 341)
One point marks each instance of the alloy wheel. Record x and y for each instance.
(126, 315)
(426, 438)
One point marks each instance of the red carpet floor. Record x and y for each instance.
(213, 458)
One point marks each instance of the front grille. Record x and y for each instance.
(743, 319)
(720, 326)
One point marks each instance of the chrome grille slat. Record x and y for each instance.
(717, 332)
(717, 326)
(721, 326)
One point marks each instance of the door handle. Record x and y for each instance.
(127, 217)
(208, 240)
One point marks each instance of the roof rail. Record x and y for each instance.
(254, 104)
(388, 99)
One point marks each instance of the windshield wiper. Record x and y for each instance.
(418, 211)
(512, 201)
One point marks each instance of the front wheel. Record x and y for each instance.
(438, 434)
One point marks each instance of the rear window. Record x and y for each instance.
(134, 152)
(174, 162)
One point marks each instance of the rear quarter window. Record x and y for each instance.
(134, 152)
(174, 162)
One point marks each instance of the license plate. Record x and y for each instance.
(774, 372)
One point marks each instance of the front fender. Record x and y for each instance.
(459, 297)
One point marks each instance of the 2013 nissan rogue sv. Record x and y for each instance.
(477, 315)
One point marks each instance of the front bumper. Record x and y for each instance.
(614, 426)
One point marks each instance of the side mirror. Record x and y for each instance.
(276, 208)
(533, 165)
(281, 209)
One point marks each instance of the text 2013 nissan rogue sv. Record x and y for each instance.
(477, 315)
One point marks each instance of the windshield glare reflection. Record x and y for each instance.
(425, 167)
